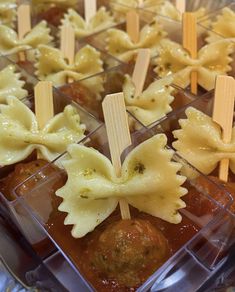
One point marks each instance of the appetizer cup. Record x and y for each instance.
(7, 182)
(175, 125)
(159, 96)
(220, 23)
(198, 230)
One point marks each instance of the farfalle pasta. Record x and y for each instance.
(11, 84)
(153, 103)
(200, 142)
(224, 26)
(10, 44)
(148, 180)
(52, 66)
(120, 45)
(20, 135)
(7, 12)
(100, 21)
(213, 60)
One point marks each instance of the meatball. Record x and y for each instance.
(130, 251)
(23, 171)
(200, 205)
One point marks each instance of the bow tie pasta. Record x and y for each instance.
(223, 26)
(20, 136)
(10, 44)
(121, 46)
(100, 21)
(52, 66)
(213, 60)
(199, 142)
(10, 84)
(153, 103)
(148, 181)
(7, 12)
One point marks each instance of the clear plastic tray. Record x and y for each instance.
(203, 249)
(31, 231)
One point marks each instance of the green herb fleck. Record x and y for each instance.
(139, 168)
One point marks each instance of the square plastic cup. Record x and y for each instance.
(220, 23)
(19, 262)
(200, 243)
(113, 81)
(53, 13)
(31, 58)
(99, 40)
(33, 234)
(171, 123)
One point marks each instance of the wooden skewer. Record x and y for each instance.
(67, 45)
(180, 5)
(141, 4)
(133, 25)
(90, 9)
(119, 138)
(44, 106)
(190, 43)
(24, 25)
(140, 70)
(223, 115)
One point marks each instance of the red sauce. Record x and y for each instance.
(80, 250)
(21, 172)
(83, 96)
(53, 15)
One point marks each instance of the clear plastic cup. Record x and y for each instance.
(203, 246)
(34, 235)
(113, 81)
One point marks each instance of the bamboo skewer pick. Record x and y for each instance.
(140, 70)
(90, 9)
(180, 5)
(223, 115)
(133, 25)
(67, 45)
(24, 25)
(117, 127)
(44, 107)
(190, 43)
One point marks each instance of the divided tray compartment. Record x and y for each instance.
(200, 231)
(26, 225)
